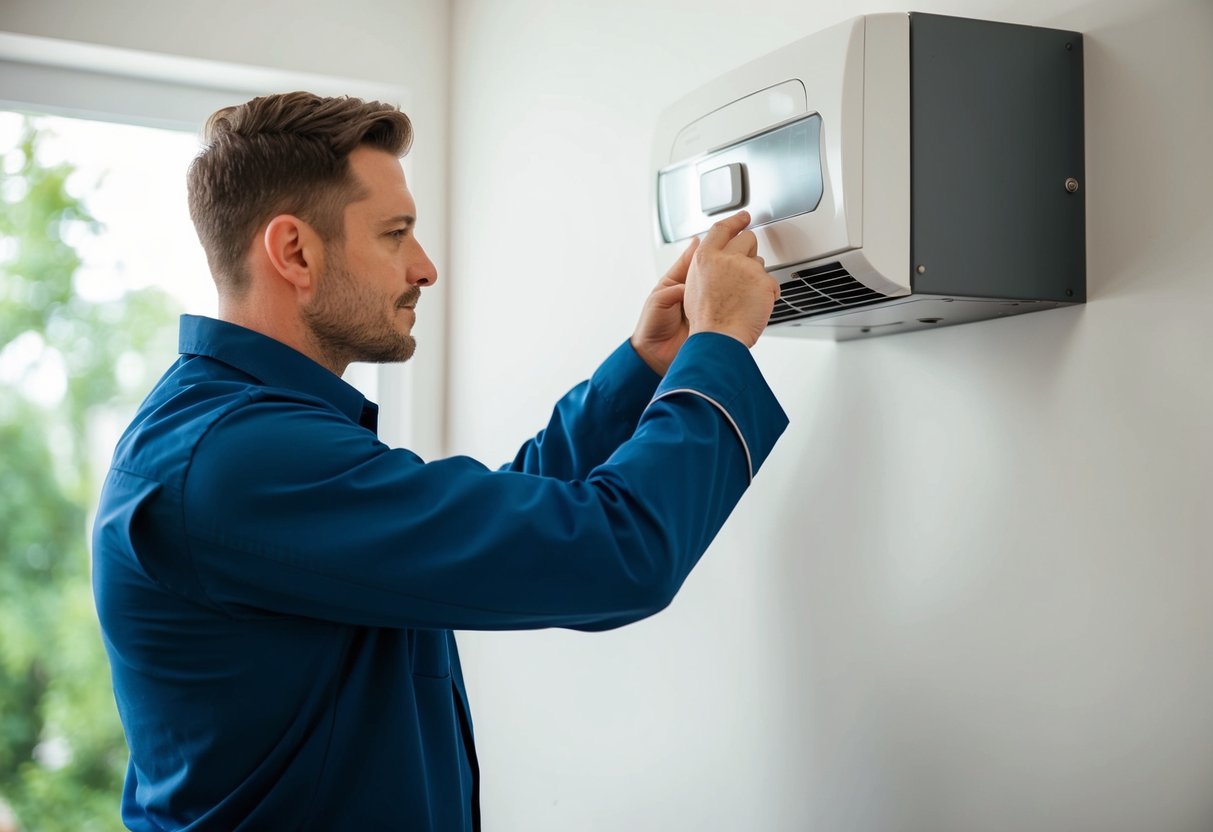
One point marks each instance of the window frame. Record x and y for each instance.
(126, 86)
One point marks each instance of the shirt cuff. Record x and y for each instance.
(626, 382)
(721, 370)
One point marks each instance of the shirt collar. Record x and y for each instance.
(273, 363)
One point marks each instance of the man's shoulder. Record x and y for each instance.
(186, 405)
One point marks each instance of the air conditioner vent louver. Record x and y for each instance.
(820, 289)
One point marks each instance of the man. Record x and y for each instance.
(277, 588)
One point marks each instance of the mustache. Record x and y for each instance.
(409, 298)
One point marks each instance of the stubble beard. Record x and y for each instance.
(348, 324)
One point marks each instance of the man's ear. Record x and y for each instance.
(294, 250)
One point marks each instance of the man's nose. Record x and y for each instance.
(422, 271)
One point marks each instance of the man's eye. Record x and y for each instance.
(399, 233)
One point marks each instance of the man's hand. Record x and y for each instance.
(718, 285)
(727, 289)
(663, 327)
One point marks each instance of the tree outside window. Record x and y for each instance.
(79, 347)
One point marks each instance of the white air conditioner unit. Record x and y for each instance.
(903, 171)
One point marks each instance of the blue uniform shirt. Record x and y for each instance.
(277, 587)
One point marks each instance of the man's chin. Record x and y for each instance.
(409, 347)
(399, 350)
(403, 352)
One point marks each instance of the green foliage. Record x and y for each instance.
(62, 755)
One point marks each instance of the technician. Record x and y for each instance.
(277, 587)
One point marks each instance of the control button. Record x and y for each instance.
(722, 189)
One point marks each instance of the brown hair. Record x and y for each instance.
(282, 154)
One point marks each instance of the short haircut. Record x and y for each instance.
(282, 154)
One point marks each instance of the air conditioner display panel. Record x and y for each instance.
(778, 175)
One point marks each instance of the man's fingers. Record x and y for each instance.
(744, 243)
(668, 296)
(724, 230)
(678, 272)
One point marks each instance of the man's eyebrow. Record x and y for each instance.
(407, 220)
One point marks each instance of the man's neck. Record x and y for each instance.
(289, 330)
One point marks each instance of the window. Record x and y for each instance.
(97, 259)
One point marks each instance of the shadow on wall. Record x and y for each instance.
(1149, 84)
(888, 479)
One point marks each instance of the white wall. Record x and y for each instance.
(970, 590)
(402, 43)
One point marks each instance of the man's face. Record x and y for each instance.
(363, 309)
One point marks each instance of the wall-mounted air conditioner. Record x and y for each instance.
(903, 171)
